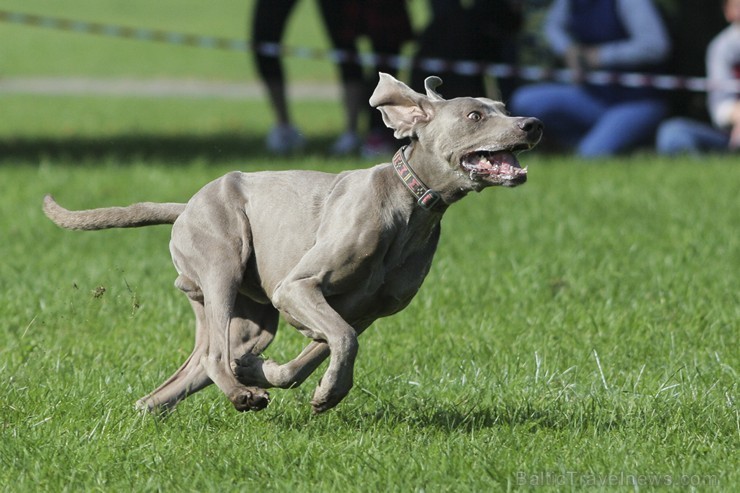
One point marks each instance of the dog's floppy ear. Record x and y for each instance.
(402, 107)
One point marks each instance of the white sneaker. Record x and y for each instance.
(347, 143)
(284, 139)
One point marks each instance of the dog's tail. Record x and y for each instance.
(133, 216)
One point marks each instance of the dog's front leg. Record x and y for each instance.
(304, 305)
(251, 369)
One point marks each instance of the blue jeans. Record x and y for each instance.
(684, 135)
(575, 118)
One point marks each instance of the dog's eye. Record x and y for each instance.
(475, 116)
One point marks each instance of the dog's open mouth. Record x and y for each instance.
(500, 166)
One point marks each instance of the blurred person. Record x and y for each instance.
(269, 20)
(613, 35)
(483, 31)
(387, 25)
(691, 26)
(686, 135)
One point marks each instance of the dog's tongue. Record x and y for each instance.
(502, 164)
(504, 158)
(501, 161)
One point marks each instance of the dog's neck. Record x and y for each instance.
(426, 198)
(423, 184)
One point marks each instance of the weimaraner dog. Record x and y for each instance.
(331, 253)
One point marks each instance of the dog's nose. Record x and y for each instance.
(532, 127)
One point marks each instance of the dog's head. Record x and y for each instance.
(472, 140)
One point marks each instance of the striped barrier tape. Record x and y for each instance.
(431, 65)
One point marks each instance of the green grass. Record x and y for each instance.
(63, 53)
(34, 51)
(102, 117)
(579, 332)
(582, 328)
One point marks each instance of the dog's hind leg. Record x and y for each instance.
(211, 244)
(223, 330)
(253, 327)
(191, 376)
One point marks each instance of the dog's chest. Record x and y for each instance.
(390, 285)
(399, 288)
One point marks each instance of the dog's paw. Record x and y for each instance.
(252, 399)
(323, 405)
(250, 370)
(143, 406)
(147, 405)
(318, 408)
(325, 399)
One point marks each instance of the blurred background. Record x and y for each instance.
(74, 92)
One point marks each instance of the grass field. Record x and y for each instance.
(579, 332)
(581, 329)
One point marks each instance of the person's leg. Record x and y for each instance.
(684, 135)
(622, 127)
(343, 39)
(567, 111)
(268, 24)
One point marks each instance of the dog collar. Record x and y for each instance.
(426, 198)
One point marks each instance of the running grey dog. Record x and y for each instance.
(331, 253)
